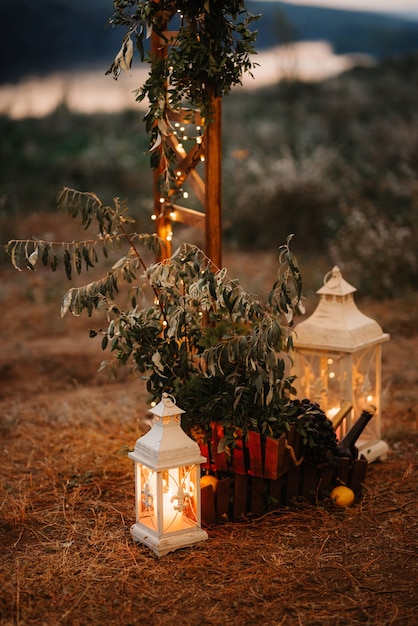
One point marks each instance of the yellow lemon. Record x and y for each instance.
(342, 496)
(207, 479)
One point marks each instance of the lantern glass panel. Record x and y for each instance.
(334, 378)
(366, 387)
(325, 378)
(167, 499)
(179, 498)
(146, 488)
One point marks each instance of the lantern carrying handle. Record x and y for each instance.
(334, 272)
(168, 399)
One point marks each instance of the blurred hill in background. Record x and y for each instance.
(52, 35)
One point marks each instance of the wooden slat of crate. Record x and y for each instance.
(222, 500)
(271, 459)
(283, 458)
(297, 444)
(290, 436)
(343, 470)
(326, 480)
(255, 452)
(238, 458)
(275, 491)
(292, 483)
(358, 475)
(257, 495)
(240, 496)
(207, 501)
(310, 482)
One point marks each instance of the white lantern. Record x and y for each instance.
(167, 483)
(337, 361)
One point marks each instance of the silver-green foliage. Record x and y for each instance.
(202, 337)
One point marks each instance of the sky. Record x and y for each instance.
(392, 6)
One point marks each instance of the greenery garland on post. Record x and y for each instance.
(205, 57)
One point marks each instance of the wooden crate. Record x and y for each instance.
(261, 476)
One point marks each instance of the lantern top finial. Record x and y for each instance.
(166, 407)
(334, 284)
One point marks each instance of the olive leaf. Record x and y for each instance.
(123, 59)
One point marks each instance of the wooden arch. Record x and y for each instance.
(207, 189)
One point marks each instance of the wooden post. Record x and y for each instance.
(208, 192)
(162, 221)
(213, 184)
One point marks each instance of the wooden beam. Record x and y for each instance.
(187, 165)
(188, 216)
(213, 184)
(207, 191)
(163, 224)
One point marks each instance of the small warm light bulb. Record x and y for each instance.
(369, 398)
(199, 139)
(202, 158)
(198, 127)
(176, 124)
(330, 361)
(169, 236)
(153, 217)
(178, 173)
(162, 200)
(185, 194)
(164, 323)
(331, 374)
(172, 214)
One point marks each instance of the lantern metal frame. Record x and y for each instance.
(167, 483)
(337, 361)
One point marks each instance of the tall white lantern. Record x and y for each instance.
(337, 361)
(167, 483)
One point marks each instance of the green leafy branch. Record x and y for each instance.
(87, 254)
(221, 352)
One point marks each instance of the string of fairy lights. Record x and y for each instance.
(182, 133)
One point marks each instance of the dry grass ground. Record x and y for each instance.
(67, 499)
